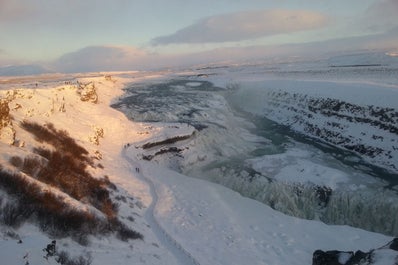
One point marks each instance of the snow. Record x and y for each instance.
(385, 256)
(344, 257)
(193, 84)
(219, 226)
(361, 93)
(183, 220)
(288, 102)
(295, 166)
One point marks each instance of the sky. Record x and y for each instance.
(75, 35)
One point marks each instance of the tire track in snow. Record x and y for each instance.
(175, 248)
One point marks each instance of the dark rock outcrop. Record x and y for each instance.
(335, 257)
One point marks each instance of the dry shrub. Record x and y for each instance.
(64, 258)
(63, 168)
(13, 214)
(52, 214)
(66, 167)
(60, 139)
(16, 161)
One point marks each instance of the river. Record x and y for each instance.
(263, 160)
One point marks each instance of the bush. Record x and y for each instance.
(16, 161)
(12, 214)
(60, 139)
(63, 168)
(124, 233)
(52, 214)
(64, 258)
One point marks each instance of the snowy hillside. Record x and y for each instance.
(359, 117)
(182, 220)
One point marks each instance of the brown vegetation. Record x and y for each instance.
(4, 113)
(65, 169)
(7, 132)
(88, 92)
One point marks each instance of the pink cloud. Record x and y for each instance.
(115, 58)
(103, 58)
(14, 10)
(245, 25)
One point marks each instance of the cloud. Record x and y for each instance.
(102, 58)
(384, 42)
(381, 16)
(122, 58)
(118, 58)
(14, 10)
(245, 25)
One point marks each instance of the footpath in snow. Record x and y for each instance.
(183, 256)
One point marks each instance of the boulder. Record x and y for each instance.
(372, 257)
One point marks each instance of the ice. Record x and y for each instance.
(344, 257)
(295, 167)
(385, 256)
(193, 84)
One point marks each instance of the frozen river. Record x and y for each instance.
(262, 159)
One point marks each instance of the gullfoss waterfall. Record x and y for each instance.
(239, 144)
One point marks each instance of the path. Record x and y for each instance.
(175, 248)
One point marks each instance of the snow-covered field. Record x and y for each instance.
(183, 220)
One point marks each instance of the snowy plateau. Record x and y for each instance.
(221, 164)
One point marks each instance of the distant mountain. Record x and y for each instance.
(26, 69)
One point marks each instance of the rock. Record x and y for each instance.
(333, 121)
(360, 257)
(335, 257)
(332, 257)
(323, 194)
(392, 245)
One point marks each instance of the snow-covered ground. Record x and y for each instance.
(219, 226)
(183, 220)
